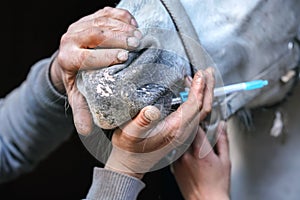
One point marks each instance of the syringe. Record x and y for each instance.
(244, 86)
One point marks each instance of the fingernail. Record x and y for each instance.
(199, 76)
(133, 22)
(152, 113)
(223, 127)
(211, 70)
(133, 42)
(138, 34)
(122, 55)
(189, 79)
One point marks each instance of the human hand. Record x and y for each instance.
(97, 40)
(202, 173)
(142, 142)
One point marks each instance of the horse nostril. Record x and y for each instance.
(151, 88)
(155, 94)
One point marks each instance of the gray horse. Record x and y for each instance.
(243, 40)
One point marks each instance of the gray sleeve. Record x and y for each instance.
(109, 185)
(34, 121)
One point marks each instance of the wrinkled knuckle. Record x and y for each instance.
(124, 13)
(82, 60)
(126, 27)
(111, 56)
(176, 125)
(100, 21)
(107, 9)
(170, 136)
(71, 27)
(199, 73)
(118, 37)
(65, 38)
(167, 140)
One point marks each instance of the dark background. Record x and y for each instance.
(30, 31)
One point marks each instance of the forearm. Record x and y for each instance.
(33, 123)
(109, 185)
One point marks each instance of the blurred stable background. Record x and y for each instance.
(30, 31)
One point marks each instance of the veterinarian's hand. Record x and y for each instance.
(141, 143)
(202, 173)
(97, 40)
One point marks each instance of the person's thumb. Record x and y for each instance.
(139, 127)
(81, 114)
(223, 142)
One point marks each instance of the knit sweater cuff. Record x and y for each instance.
(112, 185)
(44, 90)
